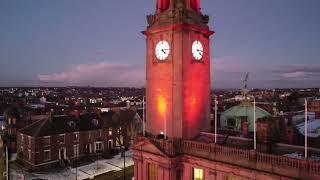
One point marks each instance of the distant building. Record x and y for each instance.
(235, 117)
(43, 100)
(12, 124)
(314, 106)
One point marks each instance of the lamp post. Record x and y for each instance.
(124, 164)
(7, 163)
(215, 118)
(143, 117)
(76, 168)
(306, 129)
(254, 124)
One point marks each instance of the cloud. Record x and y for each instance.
(297, 74)
(302, 72)
(99, 74)
(227, 72)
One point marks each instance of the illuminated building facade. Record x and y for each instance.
(176, 145)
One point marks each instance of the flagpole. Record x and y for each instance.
(306, 129)
(254, 124)
(215, 118)
(143, 117)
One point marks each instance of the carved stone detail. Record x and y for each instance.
(151, 19)
(178, 13)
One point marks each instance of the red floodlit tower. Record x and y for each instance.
(178, 106)
(178, 70)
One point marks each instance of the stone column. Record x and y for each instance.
(144, 171)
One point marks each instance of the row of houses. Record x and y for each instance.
(67, 140)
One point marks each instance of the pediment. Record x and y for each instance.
(146, 145)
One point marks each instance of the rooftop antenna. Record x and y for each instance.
(245, 90)
(246, 81)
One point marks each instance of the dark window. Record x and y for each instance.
(231, 122)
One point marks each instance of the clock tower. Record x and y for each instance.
(178, 70)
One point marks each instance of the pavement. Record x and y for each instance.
(96, 168)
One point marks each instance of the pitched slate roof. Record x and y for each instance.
(67, 124)
(63, 124)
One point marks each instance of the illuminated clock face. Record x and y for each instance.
(197, 50)
(162, 50)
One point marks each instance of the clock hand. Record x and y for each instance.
(163, 51)
(199, 50)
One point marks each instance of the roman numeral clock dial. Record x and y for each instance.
(197, 50)
(162, 50)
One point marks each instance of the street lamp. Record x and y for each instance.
(215, 118)
(143, 117)
(254, 124)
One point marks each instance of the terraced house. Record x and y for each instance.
(66, 140)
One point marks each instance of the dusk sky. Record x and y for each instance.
(99, 42)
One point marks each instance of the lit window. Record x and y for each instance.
(76, 137)
(198, 174)
(119, 130)
(110, 131)
(153, 171)
(231, 178)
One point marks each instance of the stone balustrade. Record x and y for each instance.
(244, 158)
(251, 158)
(314, 167)
(279, 160)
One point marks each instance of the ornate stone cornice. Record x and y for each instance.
(178, 13)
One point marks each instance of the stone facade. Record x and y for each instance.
(178, 110)
(177, 160)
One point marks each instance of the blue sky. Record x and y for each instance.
(98, 42)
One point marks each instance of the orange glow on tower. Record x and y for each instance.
(162, 105)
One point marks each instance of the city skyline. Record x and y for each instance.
(92, 43)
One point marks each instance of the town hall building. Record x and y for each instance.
(177, 144)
